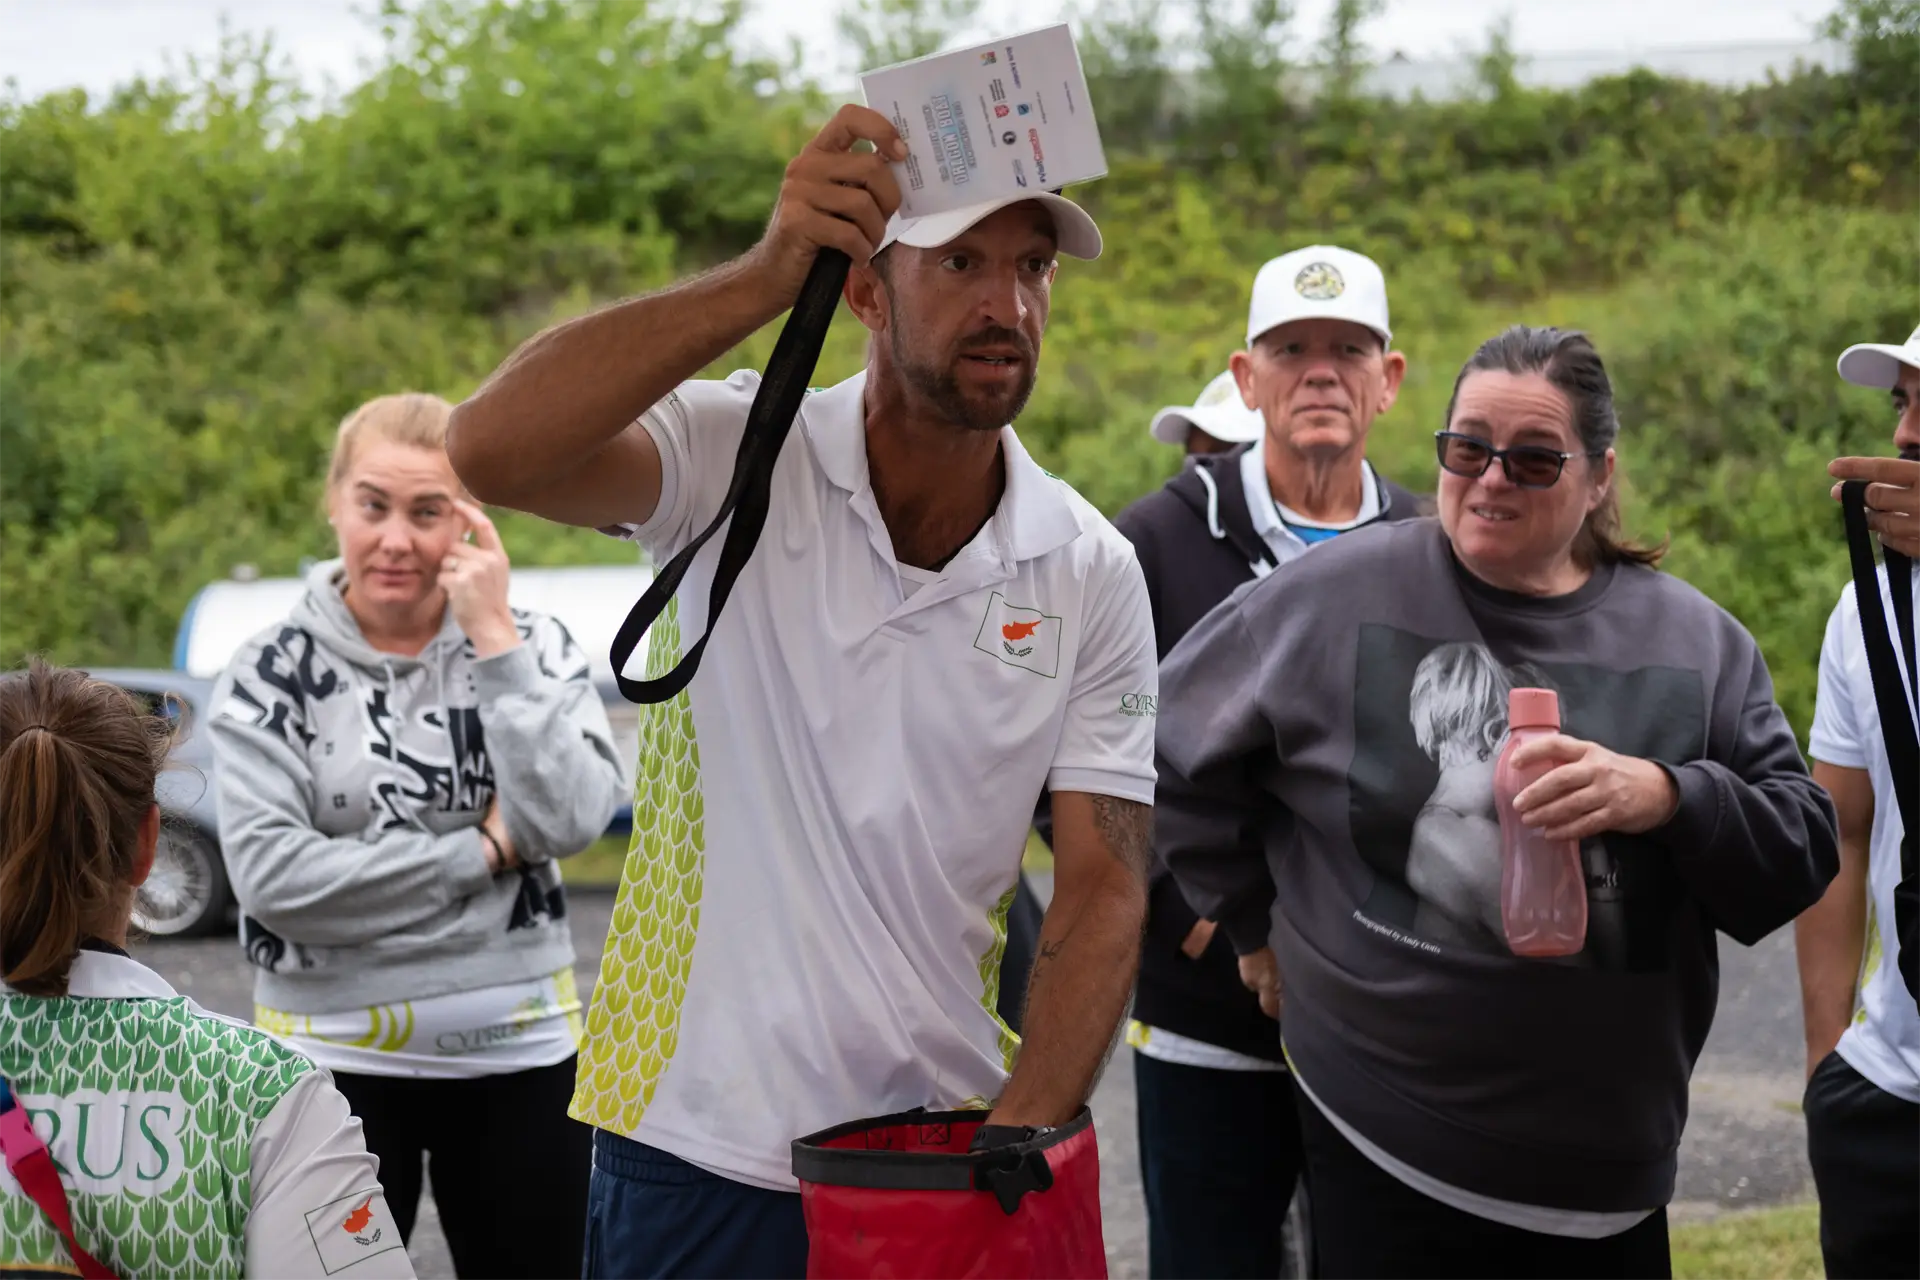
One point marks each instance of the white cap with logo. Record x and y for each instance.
(1074, 227)
(1219, 411)
(1877, 364)
(1319, 282)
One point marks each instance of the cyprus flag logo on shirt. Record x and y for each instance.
(1020, 637)
(352, 1230)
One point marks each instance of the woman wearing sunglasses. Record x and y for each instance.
(1465, 1110)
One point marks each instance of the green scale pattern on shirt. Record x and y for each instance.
(229, 1079)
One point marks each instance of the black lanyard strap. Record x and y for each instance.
(1891, 700)
(775, 405)
(1889, 687)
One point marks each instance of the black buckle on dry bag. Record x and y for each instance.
(1011, 1172)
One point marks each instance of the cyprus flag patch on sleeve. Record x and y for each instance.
(352, 1229)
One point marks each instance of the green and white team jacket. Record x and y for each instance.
(189, 1144)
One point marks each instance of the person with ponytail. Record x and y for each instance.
(142, 1134)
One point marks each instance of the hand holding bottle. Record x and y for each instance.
(1586, 790)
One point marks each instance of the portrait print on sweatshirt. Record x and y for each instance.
(1430, 720)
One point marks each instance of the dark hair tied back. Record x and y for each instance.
(1568, 360)
(78, 759)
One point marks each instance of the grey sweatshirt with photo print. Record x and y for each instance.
(352, 787)
(1326, 744)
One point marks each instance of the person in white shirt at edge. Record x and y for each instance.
(832, 814)
(400, 763)
(1863, 1033)
(185, 1143)
(1894, 490)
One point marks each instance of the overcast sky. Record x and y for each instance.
(47, 44)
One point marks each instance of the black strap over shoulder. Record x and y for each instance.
(1897, 711)
(1889, 685)
(776, 403)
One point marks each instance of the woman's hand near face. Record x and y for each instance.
(474, 575)
(1589, 790)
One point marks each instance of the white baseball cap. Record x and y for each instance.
(1219, 411)
(1074, 226)
(1877, 364)
(1319, 282)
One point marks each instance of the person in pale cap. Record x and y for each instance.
(1862, 1101)
(1215, 422)
(1294, 407)
(830, 816)
(1893, 493)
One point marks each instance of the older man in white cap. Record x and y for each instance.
(1219, 1141)
(1863, 1030)
(831, 816)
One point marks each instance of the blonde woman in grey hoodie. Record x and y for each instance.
(400, 763)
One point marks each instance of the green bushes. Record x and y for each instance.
(198, 280)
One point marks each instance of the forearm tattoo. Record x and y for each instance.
(1127, 828)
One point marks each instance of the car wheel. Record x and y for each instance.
(186, 895)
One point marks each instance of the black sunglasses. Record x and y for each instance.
(1529, 466)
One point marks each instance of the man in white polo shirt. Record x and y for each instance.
(1863, 1032)
(830, 817)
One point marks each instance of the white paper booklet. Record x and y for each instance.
(989, 121)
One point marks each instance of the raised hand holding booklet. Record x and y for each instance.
(989, 121)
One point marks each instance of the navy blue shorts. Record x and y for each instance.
(651, 1214)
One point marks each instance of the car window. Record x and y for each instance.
(171, 708)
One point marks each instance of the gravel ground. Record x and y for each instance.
(1745, 1143)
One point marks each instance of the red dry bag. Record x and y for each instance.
(901, 1195)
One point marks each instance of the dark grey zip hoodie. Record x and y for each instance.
(1326, 740)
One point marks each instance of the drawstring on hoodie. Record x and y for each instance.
(1261, 567)
(394, 730)
(1213, 504)
(430, 662)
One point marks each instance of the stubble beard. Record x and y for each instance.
(940, 386)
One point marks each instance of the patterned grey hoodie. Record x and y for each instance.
(352, 785)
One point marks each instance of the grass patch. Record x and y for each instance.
(597, 865)
(1756, 1244)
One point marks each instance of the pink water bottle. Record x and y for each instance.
(1543, 890)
